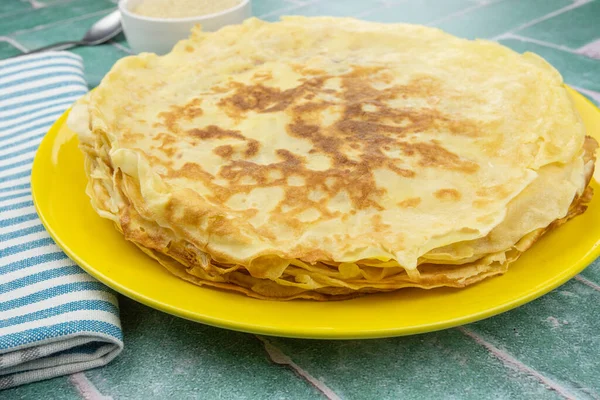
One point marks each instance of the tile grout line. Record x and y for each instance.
(77, 18)
(36, 4)
(295, 2)
(14, 43)
(591, 49)
(57, 2)
(121, 47)
(390, 3)
(87, 390)
(587, 282)
(576, 4)
(289, 8)
(42, 3)
(461, 12)
(278, 357)
(512, 362)
(595, 42)
(535, 41)
(383, 5)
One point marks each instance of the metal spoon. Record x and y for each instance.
(101, 32)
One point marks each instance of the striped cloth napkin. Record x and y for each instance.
(54, 318)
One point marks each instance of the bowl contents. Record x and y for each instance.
(324, 158)
(182, 8)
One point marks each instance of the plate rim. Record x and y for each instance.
(315, 333)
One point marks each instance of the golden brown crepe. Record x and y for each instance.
(326, 157)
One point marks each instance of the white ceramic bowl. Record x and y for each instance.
(159, 35)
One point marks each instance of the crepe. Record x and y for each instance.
(327, 157)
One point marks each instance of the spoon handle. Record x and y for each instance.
(55, 46)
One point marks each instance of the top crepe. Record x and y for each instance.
(331, 140)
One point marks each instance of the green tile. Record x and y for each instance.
(592, 273)
(8, 7)
(51, 15)
(262, 7)
(170, 358)
(52, 389)
(440, 365)
(577, 70)
(71, 30)
(496, 18)
(53, 2)
(420, 12)
(98, 60)
(336, 8)
(557, 335)
(7, 50)
(574, 28)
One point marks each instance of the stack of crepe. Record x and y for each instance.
(323, 158)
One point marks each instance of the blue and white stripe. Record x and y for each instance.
(54, 318)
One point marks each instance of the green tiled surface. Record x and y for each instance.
(185, 360)
(64, 31)
(328, 8)
(593, 274)
(11, 7)
(260, 8)
(498, 17)
(554, 335)
(97, 60)
(57, 388)
(7, 50)
(30, 19)
(418, 12)
(573, 29)
(557, 335)
(549, 348)
(441, 365)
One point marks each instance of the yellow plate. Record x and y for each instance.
(58, 184)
